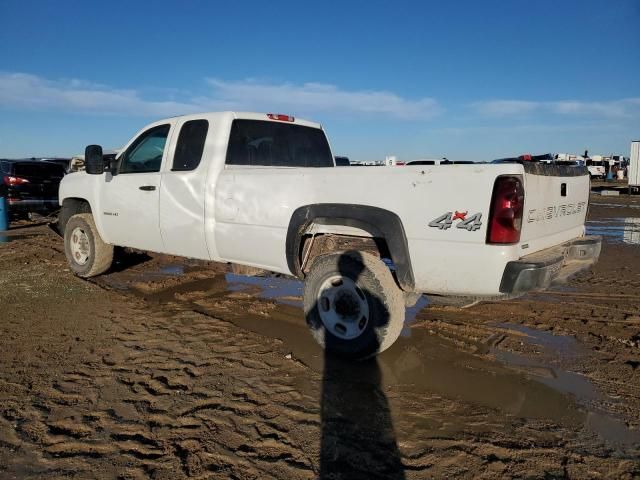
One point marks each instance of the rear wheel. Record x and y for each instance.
(88, 255)
(352, 304)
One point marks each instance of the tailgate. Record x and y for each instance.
(555, 204)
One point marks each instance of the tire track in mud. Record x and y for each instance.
(161, 403)
(176, 391)
(174, 394)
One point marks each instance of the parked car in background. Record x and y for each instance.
(596, 168)
(442, 161)
(560, 159)
(569, 157)
(569, 163)
(31, 186)
(545, 157)
(527, 157)
(63, 162)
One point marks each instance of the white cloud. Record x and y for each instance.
(626, 107)
(617, 108)
(28, 91)
(319, 97)
(504, 107)
(32, 92)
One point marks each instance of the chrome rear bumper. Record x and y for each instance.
(540, 270)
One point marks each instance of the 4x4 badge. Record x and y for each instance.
(445, 221)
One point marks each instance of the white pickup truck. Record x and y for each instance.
(262, 190)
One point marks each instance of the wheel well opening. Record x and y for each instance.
(356, 226)
(71, 207)
(313, 246)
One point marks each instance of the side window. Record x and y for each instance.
(145, 153)
(190, 145)
(274, 144)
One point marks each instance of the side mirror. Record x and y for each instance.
(93, 162)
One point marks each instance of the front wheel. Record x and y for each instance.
(88, 255)
(352, 304)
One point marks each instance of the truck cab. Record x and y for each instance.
(155, 191)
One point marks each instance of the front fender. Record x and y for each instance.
(82, 186)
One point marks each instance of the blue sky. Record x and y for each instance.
(463, 79)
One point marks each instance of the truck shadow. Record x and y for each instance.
(357, 439)
(124, 259)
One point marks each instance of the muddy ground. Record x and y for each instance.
(166, 368)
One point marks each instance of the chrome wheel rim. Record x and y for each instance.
(343, 307)
(79, 245)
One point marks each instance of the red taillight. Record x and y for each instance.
(12, 181)
(281, 117)
(505, 217)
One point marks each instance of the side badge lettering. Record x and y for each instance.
(469, 223)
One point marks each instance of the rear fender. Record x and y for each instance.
(378, 222)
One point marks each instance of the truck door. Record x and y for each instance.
(182, 193)
(131, 199)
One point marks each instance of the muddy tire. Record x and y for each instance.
(86, 252)
(352, 304)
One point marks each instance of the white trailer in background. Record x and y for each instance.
(634, 168)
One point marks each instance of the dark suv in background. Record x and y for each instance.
(30, 186)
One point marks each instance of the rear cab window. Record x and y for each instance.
(190, 145)
(274, 144)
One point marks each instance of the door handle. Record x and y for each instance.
(147, 188)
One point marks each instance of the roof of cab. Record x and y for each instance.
(241, 115)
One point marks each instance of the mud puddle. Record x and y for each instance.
(420, 362)
(283, 290)
(545, 369)
(616, 230)
(615, 205)
(172, 270)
